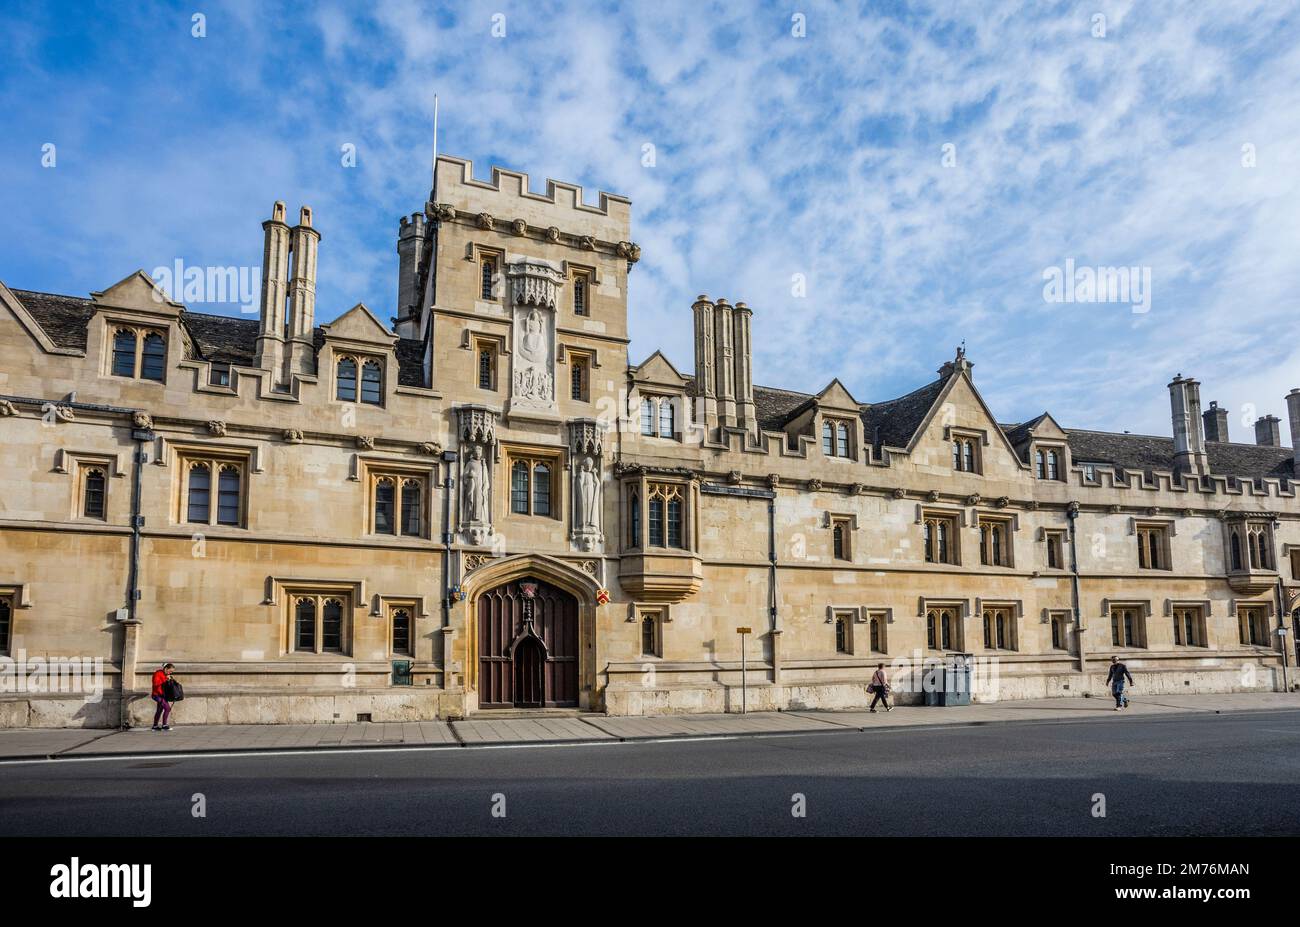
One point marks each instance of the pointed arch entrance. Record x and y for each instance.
(527, 634)
(502, 648)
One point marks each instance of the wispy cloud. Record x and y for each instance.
(774, 156)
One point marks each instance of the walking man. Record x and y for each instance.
(1115, 679)
(164, 710)
(880, 686)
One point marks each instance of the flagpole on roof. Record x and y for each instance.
(435, 145)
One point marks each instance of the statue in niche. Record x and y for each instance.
(587, 496)
(476, 487)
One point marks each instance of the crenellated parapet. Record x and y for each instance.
(505, 204)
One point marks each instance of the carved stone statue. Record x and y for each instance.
(587, 496)
(476, 487)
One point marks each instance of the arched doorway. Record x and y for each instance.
(527, 646)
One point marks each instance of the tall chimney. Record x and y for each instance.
(275, 285)
(706, 390)
(1216, 423)
(410, 248)
(746, 417)
(1293, 413)
(301, 358)
(1267, 431)
(725, 368)
(1185, 408)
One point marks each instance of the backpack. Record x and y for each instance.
(173, 691)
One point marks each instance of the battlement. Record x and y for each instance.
(411, 226)
(507, 198)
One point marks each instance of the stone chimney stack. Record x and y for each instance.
(300, 357)
(410, 249)
(706, 378)
(275, 288)
(724, 365)
(1185, 407)
(1293, 413)
(746, 416)
(1267, 431)
(1216, 423)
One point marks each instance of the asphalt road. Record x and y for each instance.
(1230, 774)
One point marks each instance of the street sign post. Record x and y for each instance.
(744, 692)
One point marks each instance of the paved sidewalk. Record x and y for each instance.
(482, 730)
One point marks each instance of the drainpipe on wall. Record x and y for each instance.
(1072, 514)
(130, 627)
(448, 483)
(773, 614)
(1283, 617)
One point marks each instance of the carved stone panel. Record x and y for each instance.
(534, 286)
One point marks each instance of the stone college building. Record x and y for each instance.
(483, 506)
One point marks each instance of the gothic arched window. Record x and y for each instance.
(347, 380)
(124, 353)
(153, 357)
(371, 383)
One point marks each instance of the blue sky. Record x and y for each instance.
(1170, 142)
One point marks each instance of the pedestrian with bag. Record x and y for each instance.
(1115, 679)
(166, 690)
(880, 686)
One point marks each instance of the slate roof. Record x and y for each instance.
(63, 318)
(1150, 452)
(234, 340)
(221, 338)
(774, 407)
(892, 423)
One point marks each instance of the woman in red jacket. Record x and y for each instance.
(164, 709)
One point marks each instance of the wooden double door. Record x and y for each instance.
(527, 646)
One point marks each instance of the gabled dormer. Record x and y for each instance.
(832, 419)
(658, 404)
(359, 355)
(135, 330)
(1042, 444)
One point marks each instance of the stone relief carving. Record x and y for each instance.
(217, 428)
(519, 226)
(366, 442)
(474, 561)
(485, 221)
(533, 286)
(814, 485)
(430, 449)
(630, 251)
(292, 436)
(142, 420)
(53, 412)
(552, 234)
(7, 408)
(444, 212)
